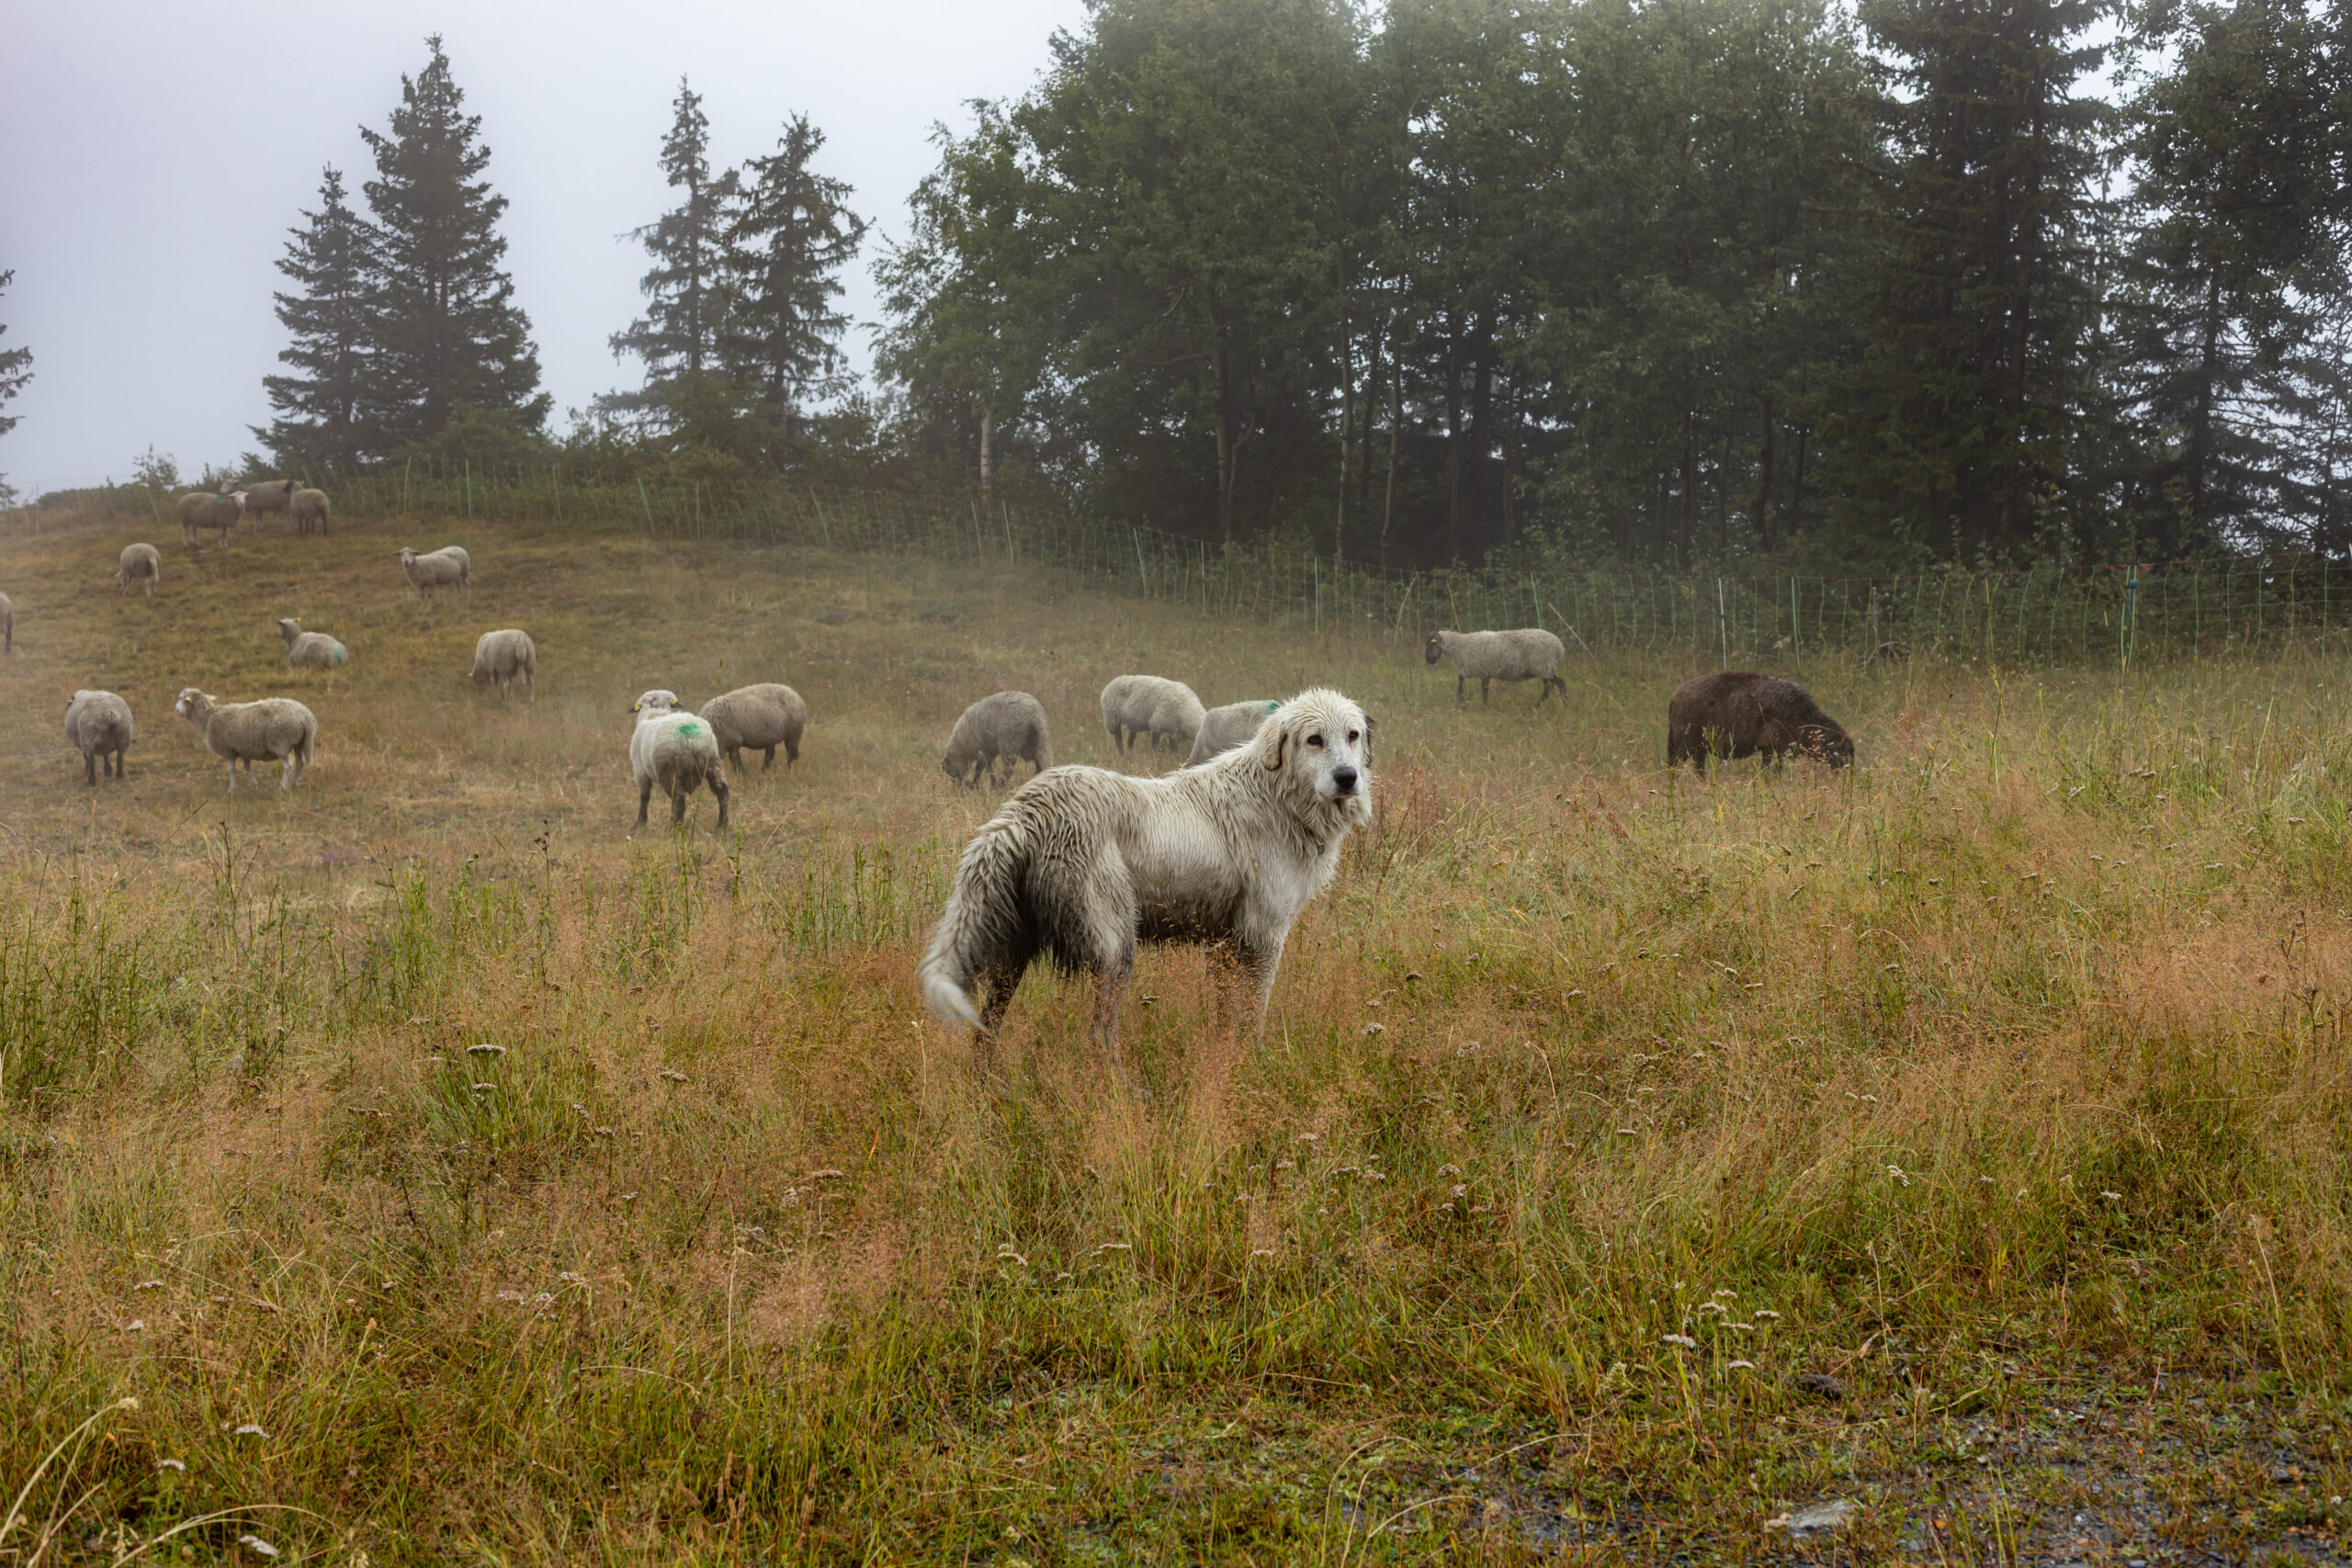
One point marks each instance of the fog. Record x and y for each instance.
(153, 155)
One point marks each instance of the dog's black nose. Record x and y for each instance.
(1343, 779)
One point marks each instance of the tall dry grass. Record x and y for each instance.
(446, 1169)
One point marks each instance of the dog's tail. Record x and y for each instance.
(980, 928)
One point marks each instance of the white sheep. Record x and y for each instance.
(273, 729)
(1150, 705)
(307, 509)
(269, 495)
(448, 566)
(500, 655)
(1223, 728)
(675, 751)
(8, 624)
(200, 508)
(138, 562)
(1007, 726)
(762, 716)
(1529, 654)
(310, 650)
(97, 724)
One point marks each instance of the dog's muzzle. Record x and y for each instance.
(1343, 781)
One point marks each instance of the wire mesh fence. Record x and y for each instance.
(2113, 614)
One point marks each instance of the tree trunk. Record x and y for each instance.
(1452, 454)
(987, 457)
(1762, 513)
(2201, 427)
(1395, 431)
(1689, 489)
(1347, 429)
(1220, 360)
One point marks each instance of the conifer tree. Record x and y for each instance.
(448, 333)
(328, 319)
(791, 233)
(678, 336)
(16, 366)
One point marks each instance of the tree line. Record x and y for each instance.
(1663, 284)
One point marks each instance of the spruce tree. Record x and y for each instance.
(1974, 383)
(2235, 257)
(447, 333)
(677, 338)
(791, 233)
(16, 366)
(328, 318)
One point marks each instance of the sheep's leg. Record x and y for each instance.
(1459, 694)
(90, 769)
(791, 753)
(232, 776)
(769, 766)
(289, 769)
(997, 986)
(1486, 689)
(644, 799)
(719, 788)
(677, 806)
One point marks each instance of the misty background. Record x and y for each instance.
(154, 156)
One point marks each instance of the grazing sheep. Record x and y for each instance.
(8, 624)
(97, 724)
(1528, 654)
(1153, 705)
(445, 568)
(269, 495)
(1008, 725)
(501, 656)
(307, 509)
(1223, 728)
(138, 561)
(310, 650)
(1739, 714)
(273, 729)
(1079, 867)
(675, 751)
(199, 510)
(764, 716)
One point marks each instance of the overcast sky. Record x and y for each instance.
(154, 154)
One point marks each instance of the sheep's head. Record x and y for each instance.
(655, 702)
(288, 627)
(239, 497)
(192, 704)
(407, 556)
(1436, 649)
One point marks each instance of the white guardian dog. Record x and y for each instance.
(1081, 861)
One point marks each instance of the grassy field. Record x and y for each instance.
(429, 1166)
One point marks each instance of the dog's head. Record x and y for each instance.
(1321, 745)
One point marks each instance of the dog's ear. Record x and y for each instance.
(1277, 747)
(1367, 736)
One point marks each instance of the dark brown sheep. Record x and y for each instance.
(1739, 713)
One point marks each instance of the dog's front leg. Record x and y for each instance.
(1110, 991)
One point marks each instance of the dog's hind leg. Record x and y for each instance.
(1111, 989)
(996, 986)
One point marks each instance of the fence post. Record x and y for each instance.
(644, 502)
(470, 487)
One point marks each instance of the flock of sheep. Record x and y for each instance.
(678, 750)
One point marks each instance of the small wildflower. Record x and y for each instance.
(1305, 1138)
(485, 1049)
(828, 1174)
(514, 1296)
(628, 1197)
(1766, 1312)
(1113, 1247)
(675, 1075)
(249, 1430)
(1458, 1191)
(254, 1544)
(601, 1132)
(571, 1277)
(1449, 1170)
(1261, 1252)
(1006, 1255)
(1682, 1339)
(2116, 1197)
(484, 1087)
(1740, 1366)
(1743, 1327)
(543, 1300)
(171, 1464)
(1897, 1171)
(1285, 1165)
(1627, 1133)
(1375, 1029)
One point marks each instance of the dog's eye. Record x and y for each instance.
(1314, 740)
(1354, 737)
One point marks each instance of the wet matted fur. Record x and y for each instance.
(1083, 862)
